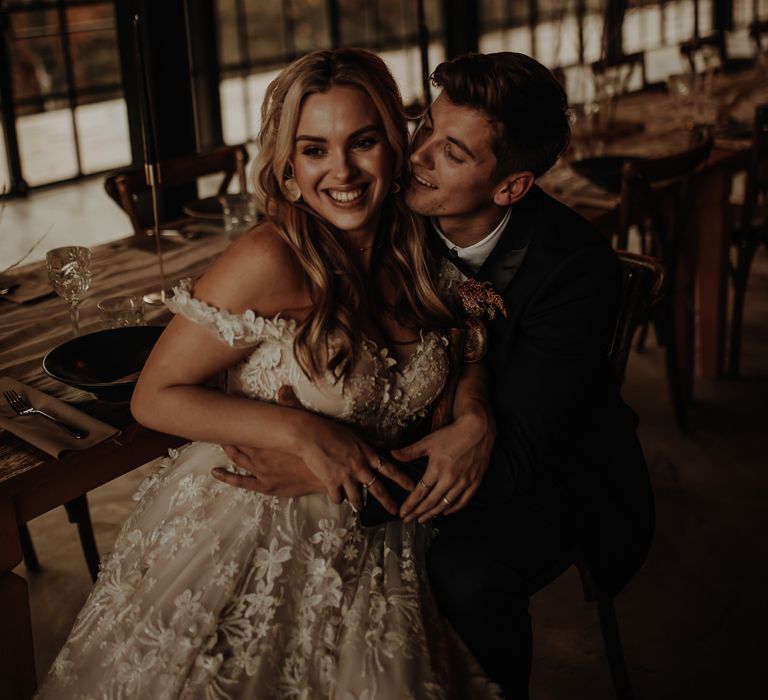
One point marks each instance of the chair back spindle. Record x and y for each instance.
(129, 188)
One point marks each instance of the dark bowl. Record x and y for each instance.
(604, 171)
(102, 362)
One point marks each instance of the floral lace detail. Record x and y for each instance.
(236, 330)
(381, 396)
(217, 593)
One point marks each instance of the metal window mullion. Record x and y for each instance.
(376, 21)
(289, 45)
(581, 12)
(8, 109)
(533, 21)
(334, 18)
(90, 91)
(242, 45)
(49, 5)
(69, 75)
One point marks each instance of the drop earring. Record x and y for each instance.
(291, 186)
(395, 187)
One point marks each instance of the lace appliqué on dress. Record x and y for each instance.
(218, 593)
(236, 330)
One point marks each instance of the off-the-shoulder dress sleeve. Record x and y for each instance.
(236, 330)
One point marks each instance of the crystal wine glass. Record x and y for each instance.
(69, 271)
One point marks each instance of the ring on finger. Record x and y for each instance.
(425, 484)
(379, 464)
(447, 501)
(368, 483)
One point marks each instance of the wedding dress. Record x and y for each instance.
(220, 593)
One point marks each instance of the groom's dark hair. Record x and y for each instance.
(521, 97)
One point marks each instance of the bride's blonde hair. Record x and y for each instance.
(399, 256)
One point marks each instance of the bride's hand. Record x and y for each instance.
(344, 462)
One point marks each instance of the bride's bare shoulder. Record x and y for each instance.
(259, 271)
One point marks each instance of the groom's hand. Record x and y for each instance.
(458, 459)
(271, 472)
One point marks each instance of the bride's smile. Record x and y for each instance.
(342, 161)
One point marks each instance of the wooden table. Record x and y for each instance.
(31, 482)
(702, 274)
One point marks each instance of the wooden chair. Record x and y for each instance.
(643, 288)
(698, 51)
(645, 281)
(630, 67)
(129, 188)
(749, 232)
(657, 197)
(758, 32)
(701, 50)
(78, 513)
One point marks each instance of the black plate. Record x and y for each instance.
(96, 362)
(209, 208)
(604, 171)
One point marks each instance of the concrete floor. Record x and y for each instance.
(694, 621)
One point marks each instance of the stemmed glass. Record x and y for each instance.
(69, 271)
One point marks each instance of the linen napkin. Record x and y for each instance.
(26, 286)
(44, 434)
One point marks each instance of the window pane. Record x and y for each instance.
(102, 129)
(93, 45)
(405, 65)
(46, 146)
(593, 37)
(228, 38)
(265, 28)
(396, 20)
(234, 118)
(355, 23)
(36, 55)
(310, 24)
(491, 13)
(434, 17)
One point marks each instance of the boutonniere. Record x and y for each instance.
(473, 302)
(479, 302)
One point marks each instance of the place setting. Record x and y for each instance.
(105, 362)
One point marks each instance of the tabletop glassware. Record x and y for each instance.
(69, 271)
(239, 212)
(121, 311)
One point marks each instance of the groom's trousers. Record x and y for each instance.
(481, 565)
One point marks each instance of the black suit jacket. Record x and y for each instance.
(561, 420)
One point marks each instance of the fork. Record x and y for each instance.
(22, 407)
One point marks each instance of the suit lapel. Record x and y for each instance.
(507, 257)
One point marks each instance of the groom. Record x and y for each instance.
(566, 469)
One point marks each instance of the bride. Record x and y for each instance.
(215, 592)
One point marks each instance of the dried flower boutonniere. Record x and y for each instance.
(479, 301)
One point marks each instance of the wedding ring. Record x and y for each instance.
(375, 476)
(379, 464)
(446, 501)
(425, 484)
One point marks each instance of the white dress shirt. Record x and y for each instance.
(476, 254)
